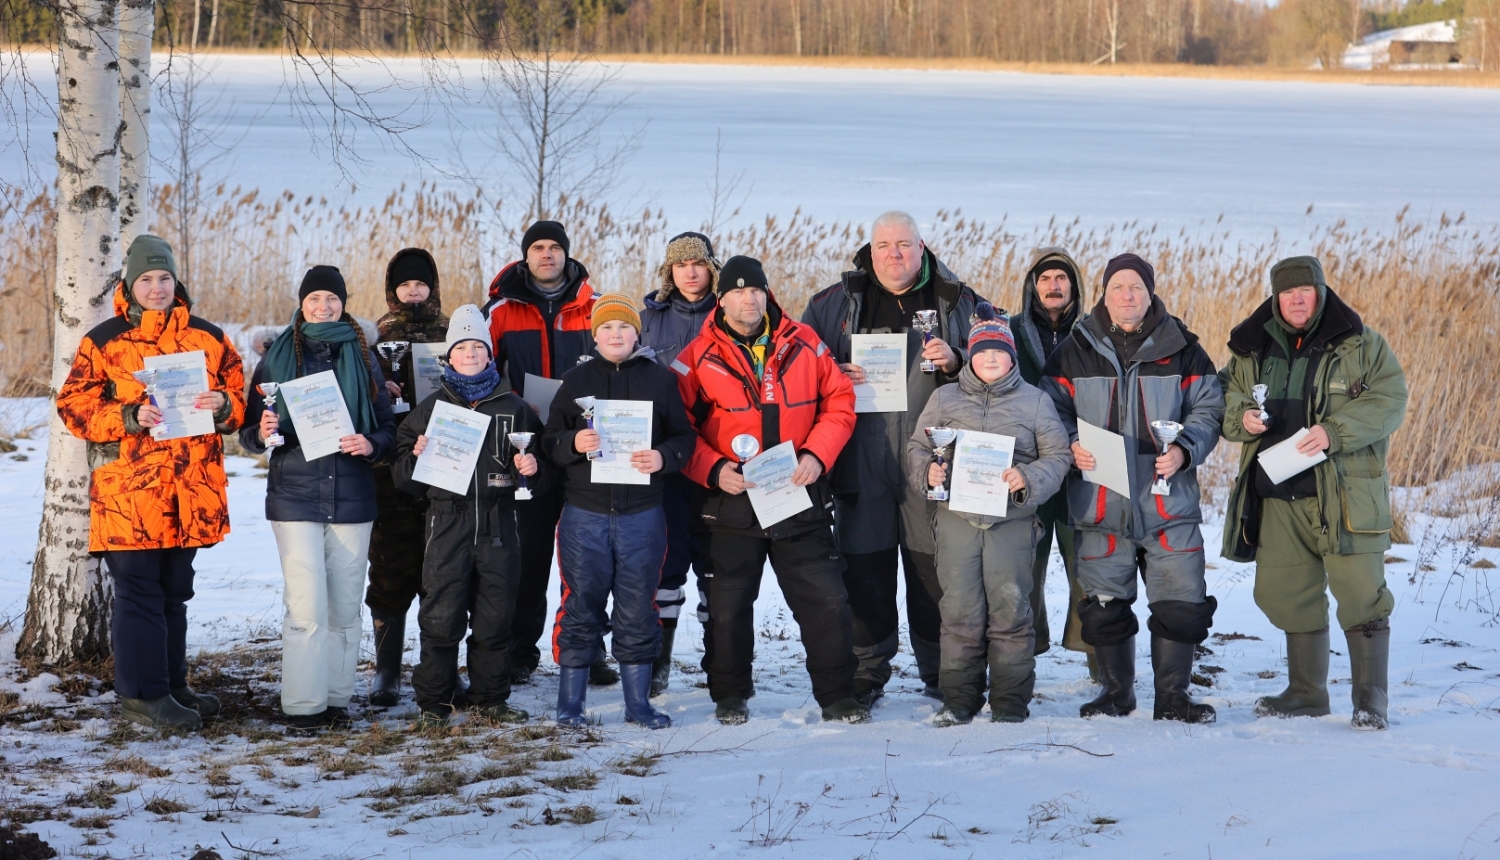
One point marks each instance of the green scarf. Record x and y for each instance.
(348, 367)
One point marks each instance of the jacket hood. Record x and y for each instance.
(1169, 336)
(777, 320)
(511, 282)
(641, 353)
(430, 308)
(1052, 257)
(970, 383)
(1335, 320)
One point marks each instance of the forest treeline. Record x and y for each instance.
(1213, 32)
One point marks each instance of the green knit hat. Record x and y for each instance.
(1296, 272)
(147, 254)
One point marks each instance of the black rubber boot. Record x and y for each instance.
(953, 714)
(205, 704)
(846, 711)
(390, 641)
(1369, 663)
(1172, 662)
(164, 714)
(1306, 693)
(601, 674)
(635, 680)
(732, 711)
(661, 669)
(1117, 677)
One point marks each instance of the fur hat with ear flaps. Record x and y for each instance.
(683, 248)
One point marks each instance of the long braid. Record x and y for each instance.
(297, 340)
(364, 350)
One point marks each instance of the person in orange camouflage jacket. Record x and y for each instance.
(152, 504)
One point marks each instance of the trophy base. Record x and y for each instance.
(522, 494)
(1161, 488)
(275, 440)
(400, 406)
(937, 495)
(594, 455)
(929, 367)
(159, 431)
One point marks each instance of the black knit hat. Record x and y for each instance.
(544, 230)
(742, 272)
(1135, 264)
(412, 267)
(323, 278)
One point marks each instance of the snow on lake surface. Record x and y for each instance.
(1055, 786)
(848, 144)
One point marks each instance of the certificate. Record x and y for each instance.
(539, 393)
(1111, 469)
(319, 414)
(624, 428)
(774, 497)
(1283, 460)
(883, 359)
(426, 373)
(455, 437)
(978, 461)
(180, 377)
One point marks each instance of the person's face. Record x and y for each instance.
(412, 292)
(155, 290)
(469, 357)
(1298, 305)
(1127, 299)
(897, 255)
(744, 307)
(545, 259)
(691, 276)
(1055, 289)
(322, 306)
(616, 340)
(991, 365)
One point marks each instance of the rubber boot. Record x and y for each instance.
(1172, 662)
(390, 641)
(661, 669)
(1369, 663)
(732, 711)
(165, 714)
(1117, 677)
(953, 714)
(846, 711)
(1306, 693)
(635, 679)
(601, 674)
(1093, 664)
(1011, 686)
(205, 704)
(572, 691)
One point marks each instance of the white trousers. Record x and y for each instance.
(323, 567)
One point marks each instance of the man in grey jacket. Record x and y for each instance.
(877, 514)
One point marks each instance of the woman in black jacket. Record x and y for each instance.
(321, 510)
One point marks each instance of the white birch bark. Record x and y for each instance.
(67, 611)
(137, 24)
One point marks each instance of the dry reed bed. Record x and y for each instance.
(1429, 288)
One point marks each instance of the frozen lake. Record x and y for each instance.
(847, 144)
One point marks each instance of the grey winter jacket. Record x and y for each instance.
(668, 326)
(1009, 406)
(874, 508)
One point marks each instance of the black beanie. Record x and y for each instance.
(323, 278)
(1135, 264)
(544, 230)
(742, 272)
(412, 267)
(708, 244)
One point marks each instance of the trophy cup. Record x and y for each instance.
(744, 446)
(1165, 433)
(268, 390)
(521, 441)
(587, 404)
(393, 351)
(148, 378)
(1259, 392)
(941, 438)
(926, 322)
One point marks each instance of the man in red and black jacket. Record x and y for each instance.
(539, 312)
(754, 371)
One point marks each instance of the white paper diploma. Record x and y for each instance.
(774, 497)
(455, 436)
(978, 461)
(319, 414)
(427, 374)
(181, 377)
(624, 428)
(1111, 469)
(883, 359)
(539, 393)
(1283, 460)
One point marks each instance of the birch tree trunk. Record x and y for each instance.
(67, 611)
(137, 25)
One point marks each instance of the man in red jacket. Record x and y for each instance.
(754, 371)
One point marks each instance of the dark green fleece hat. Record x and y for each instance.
(1296, 272)
(147, 254)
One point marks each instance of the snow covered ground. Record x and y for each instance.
(848, 144)
(784, 785)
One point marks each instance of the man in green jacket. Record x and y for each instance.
(1329, 374)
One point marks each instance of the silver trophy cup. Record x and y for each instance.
(1259, 392)
(587, 405)
(393, 351)
(522, 441)
(926, 322)
(744, 446)
(268, 390)
(1165, 433)
(941, 438)
(148, 379)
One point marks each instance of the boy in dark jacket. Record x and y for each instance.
(612, 537)
(472, 566)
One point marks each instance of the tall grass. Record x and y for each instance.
(1430, 288)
